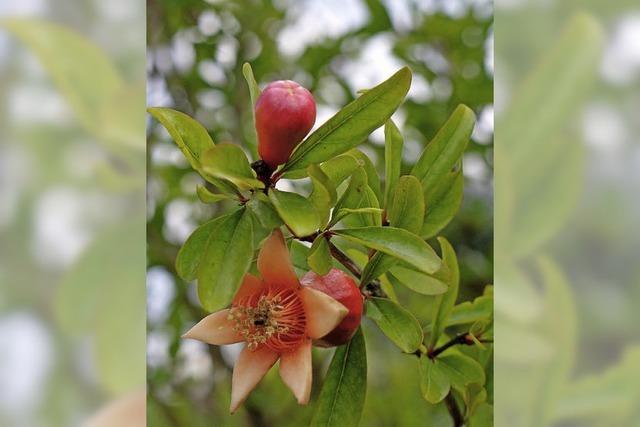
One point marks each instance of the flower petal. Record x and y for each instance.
(214, 329)
(248, 371)
(323, 312)
(274, 262)
(250, 285)
(295, 371)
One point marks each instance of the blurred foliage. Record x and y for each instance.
(447, 54)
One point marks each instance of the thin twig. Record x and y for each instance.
(454, 411)
(464, 339)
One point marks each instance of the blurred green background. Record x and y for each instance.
(334, 48)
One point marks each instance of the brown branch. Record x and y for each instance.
(454, 411)
(462, 339)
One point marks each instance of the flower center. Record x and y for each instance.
(274, 318)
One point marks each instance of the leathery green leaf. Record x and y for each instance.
(358, 195)
(407, 208)
(395, 242)
(296, 211)
(461, 370)
(319, 258)
(398, 324)
(434, 383)
(229, 162)
(323, 196)
(352, 124)
(189, 135)
(425, 284)
(227, 257)
(445, 302)
(393, 143)
(193, 249)
(442, 203)
(192, 139)
(446, 148)
(342, 396)
(207, 196)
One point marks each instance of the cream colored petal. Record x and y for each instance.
(214, 329)
(274, 263)
(323, 312)
(248, 371)
(295, 371)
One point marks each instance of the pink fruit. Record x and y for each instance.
(285, 113)
(342, 288)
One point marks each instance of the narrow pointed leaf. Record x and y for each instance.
(395, 242)
(323, 196)
(443, 205)
(358, 195)
(398, 324)
(254, 90)
(446, 148)
(407, 207)
(445, 302)
(207, 196)
(342, 396)
(393, 143)
(353, 124)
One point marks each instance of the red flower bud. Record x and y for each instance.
(285, 113)
(342, 288)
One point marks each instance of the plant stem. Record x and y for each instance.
(454, 411)
(344, 260)
(464, 339)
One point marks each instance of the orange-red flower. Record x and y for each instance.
(277, 318)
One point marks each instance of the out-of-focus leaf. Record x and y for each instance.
(296, 211)
(226, 258)
(207, 196)
(445, 302)
(319, 258)
(398, 324)
(395, 242)
(106, 276)
(323, 196)
(342, 396)
(84, 74)
(393, 143)
(299, 253)
(254, 90)
(122, 115)
(483, 416)
(353, 123)
(461, 370)
(229, 162)
(474, 396)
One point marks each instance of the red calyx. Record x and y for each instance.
(285, 113)
(340, 286)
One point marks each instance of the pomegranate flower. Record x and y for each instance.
(277, 319)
